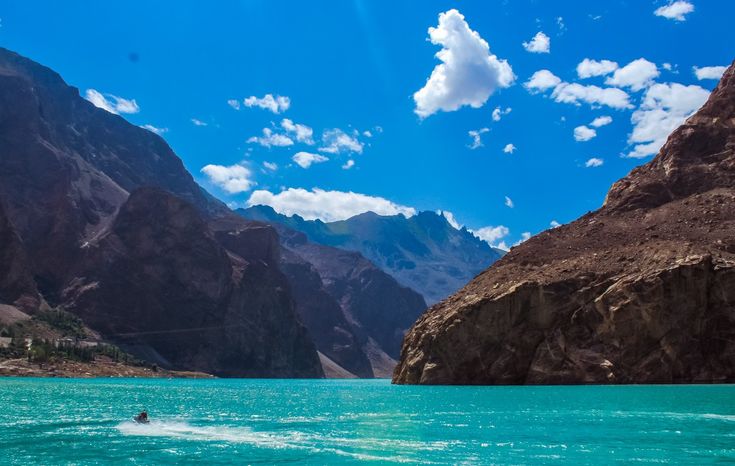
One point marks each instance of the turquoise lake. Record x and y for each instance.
(63, 421)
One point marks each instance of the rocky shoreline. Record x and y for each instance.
(101, 367)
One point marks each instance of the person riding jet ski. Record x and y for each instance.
(142, 418)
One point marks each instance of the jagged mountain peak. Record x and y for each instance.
(697, 157)
(423, 252)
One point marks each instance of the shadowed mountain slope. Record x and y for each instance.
(101, 217)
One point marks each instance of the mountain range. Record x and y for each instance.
(423, 252)
(99, 217)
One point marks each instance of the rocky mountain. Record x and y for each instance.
(423, 252)
(100, 217)
(640, 291)
(16, 281)
(356, 313)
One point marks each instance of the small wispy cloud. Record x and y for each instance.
(307, 159)
(476, 135)
(111, 103)
(154, 129)
(336, 141)
(271, 139)
(233, 179)
(540, 43)
(276, 104)
(675, 10)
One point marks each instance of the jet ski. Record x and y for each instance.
(142, 418)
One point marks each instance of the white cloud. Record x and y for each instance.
(153, 129)
(560, 23)
(233, 179)
(574, 93)
(588, 68)
(476, 136)
(271, 139)
(709, 72)
(540, 43)
(498, 113)
(306, 159)
(541, 81)
(277, 104)
(302, 133)
(349, 164)
(111, 103)
(272, 166)
(468, 74)
(328, 206)
(509, 148)
(367, 134)
(583, 133)
(197, 122)
(525, 236)
(491, 235)
(234, 103)
(450, 218)
(554, 224)
(637, 75)
(601, 121)
(594, 162)
(509, 202)
(675, 10)
(336, 141)
(665, 107)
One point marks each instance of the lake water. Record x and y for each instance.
(54, 421)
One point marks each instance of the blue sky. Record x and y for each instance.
(353, 68)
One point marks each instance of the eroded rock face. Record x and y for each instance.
(67, 167)
(640, 291)
(160, 280)
(333, 334)
(16, 280)
(356, 313)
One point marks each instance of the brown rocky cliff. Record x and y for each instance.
(640, 291)
(159, 283)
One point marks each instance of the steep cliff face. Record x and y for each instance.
(640, 291)
(378, 307)
(169, 271)
(16, 280)
(160, 282)
(67, 166)
(356, 313)
(333, 334)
